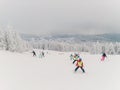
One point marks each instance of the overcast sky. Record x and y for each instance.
(61, 16)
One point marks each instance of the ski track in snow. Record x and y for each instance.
(56, 72)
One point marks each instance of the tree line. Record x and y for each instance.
(91, 47)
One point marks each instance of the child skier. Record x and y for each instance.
(103, 57)
(75, 58)
(79, 65)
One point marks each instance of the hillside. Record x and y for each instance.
(56, 72)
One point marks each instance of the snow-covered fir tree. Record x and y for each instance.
(11, 41)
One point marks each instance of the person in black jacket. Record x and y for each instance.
(34, 54)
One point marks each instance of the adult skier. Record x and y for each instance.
(34, 54)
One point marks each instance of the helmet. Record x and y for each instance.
(80, 59)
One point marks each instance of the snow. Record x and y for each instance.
(22, 71)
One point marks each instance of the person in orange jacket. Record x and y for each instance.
(79, 64)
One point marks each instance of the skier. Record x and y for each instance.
(40, 54)
(79, 65)
(43, 54)
(71, 57)
(34, 54)
(103, 56)
(75, 58)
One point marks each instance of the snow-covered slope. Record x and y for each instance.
(56, 72)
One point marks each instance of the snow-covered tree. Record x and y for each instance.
(2, 40)
(91, 47)
(11, 41)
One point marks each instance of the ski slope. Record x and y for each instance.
(56, 72)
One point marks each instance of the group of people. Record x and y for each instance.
(41, 54)
(79, 63)
(74, 57)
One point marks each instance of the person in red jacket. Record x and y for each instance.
(79, 64)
